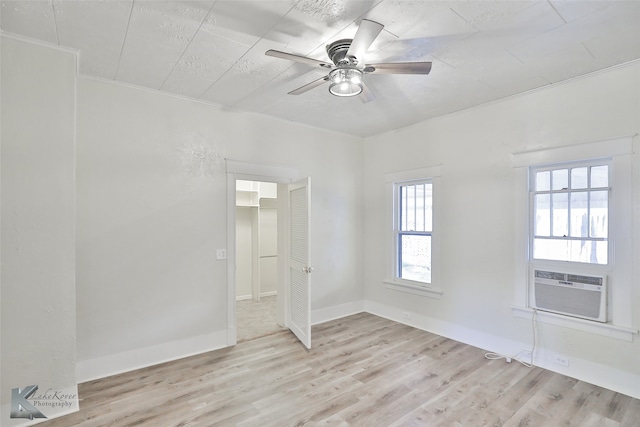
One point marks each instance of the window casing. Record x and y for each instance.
(413, 227)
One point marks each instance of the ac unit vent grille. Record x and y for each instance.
(550, 275)
(590, 280)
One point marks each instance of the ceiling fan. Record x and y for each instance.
(347, 66)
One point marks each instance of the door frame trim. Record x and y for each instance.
(235, 170)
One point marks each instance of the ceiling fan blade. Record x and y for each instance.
(309, 86)
(298, 58)
(399, 68)
(366, 34)
(366, 95)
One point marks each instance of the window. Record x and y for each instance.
(412, 244)
(413, 227)
(570, 212)
(556, 187)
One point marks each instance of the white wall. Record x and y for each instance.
(245, 218)
(38, 231)
(256, 250)
(151, 213)
(477, 228)
(268, 249)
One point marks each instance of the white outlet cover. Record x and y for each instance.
(561, 360)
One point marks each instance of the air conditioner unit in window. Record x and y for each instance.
(570, 294)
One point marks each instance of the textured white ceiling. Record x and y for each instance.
(214, 50)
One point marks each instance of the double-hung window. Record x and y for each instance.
(412, 241)
(576, 219)
(412, 230)
(570, 212)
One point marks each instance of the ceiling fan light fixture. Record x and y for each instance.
(347, 56)
(345, 82)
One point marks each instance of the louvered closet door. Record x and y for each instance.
(299, 269)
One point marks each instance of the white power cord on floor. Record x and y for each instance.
(529, 364)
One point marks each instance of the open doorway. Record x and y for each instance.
(293, 299)
(256, 259)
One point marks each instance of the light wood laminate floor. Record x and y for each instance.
(362, 371)
(256, 319)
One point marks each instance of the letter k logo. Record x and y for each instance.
(21, 407)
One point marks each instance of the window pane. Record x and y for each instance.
(415, 211)
(571, 250)
(415, 258)
(579, 178)
(579, 214)
(599, 176)
(411, 205)
(543, 181)
(560, 179)
(405, 197)
(401, 208)
(419, 203)
(598, 220)
(428, 207)
(560, 216)
(542, 224)
(551, 249)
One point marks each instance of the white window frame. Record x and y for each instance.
(575, 265)
(392, 281)
(620, 262)
(398, 232)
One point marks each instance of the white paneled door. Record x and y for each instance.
(299, 269)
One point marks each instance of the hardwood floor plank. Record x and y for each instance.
(632, 412)
(551, 400)
(525, 417)
(595, 420)
(362, 371)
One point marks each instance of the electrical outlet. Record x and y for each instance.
(221, 254)
(406, 315)
(561, 360)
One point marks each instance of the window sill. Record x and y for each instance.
(425, 291)
(605, 329)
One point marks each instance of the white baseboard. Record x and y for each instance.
(336, 312)
(268, 294)
(87, 370)
(593, 373)
(580, 369)
(263, 294)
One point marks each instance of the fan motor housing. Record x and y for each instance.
(337, 51)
